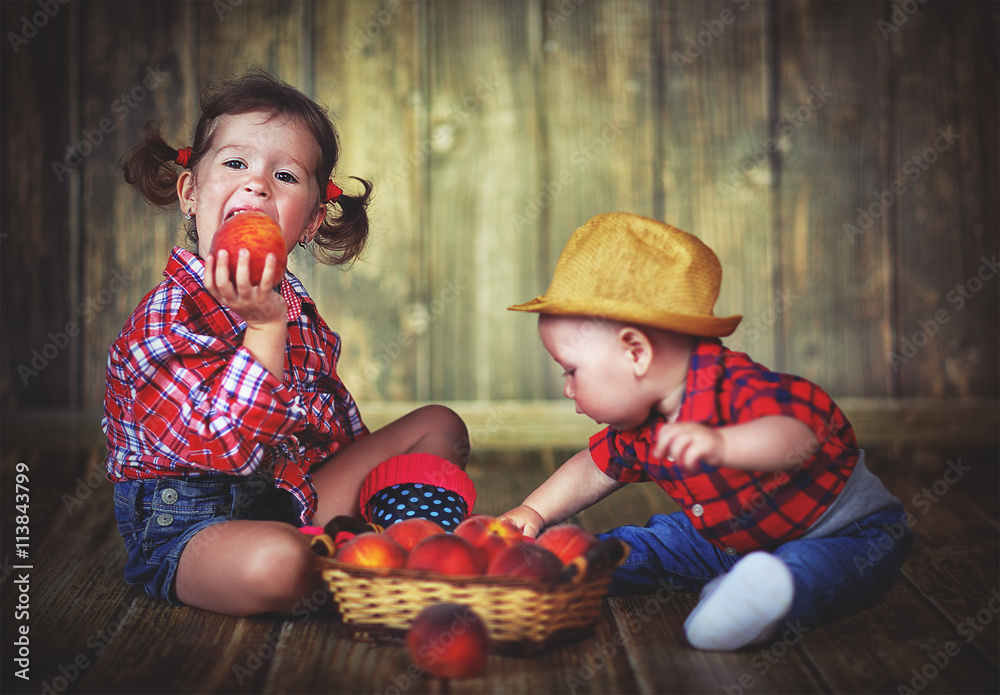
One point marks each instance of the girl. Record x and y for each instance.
(227, 424)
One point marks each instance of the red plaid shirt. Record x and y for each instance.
(184, 398)
(735, 510)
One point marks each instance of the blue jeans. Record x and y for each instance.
(157, 518)
(834, 576)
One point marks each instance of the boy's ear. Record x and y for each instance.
(637, 349)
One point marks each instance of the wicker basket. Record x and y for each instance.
(522, 615)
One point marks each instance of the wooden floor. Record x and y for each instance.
(88, 632)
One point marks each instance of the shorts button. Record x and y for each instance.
(697, 510)
(731, 551)
(165, 519)
(169, 496)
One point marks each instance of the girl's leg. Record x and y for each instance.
(432, 429)
(245, 567)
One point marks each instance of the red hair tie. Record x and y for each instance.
(333, 192)
(183, 157)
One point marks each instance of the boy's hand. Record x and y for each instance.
(686, 443)
(256, 304)
(527, 520)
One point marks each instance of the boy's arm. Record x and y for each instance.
(576, 485)
(770, 443)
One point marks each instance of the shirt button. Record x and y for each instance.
(165, 519)
(731, 550)
(697, 510)
(169, 496)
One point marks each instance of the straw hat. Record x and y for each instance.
(638, 270)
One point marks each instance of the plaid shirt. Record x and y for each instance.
(184, 398)
(735, 510)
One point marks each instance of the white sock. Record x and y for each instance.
(743, 606)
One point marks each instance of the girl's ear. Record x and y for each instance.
(315, 221)
(186, 197)
(637, 348)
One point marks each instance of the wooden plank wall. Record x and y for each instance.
(841, 158)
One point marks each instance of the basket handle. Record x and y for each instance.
(607, 554)
(322, 545)
(338, 531)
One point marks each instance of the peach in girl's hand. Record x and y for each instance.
(256, 232)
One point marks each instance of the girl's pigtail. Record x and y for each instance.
(342, 239)
(151, 166)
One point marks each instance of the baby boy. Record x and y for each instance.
(778, 510)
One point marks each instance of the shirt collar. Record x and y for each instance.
(188, 270)
(705, 353)
(703, 376)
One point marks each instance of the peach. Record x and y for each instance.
(341, 529)
(256, 232)
(409, 532)
(448, 640)
(526, 560)
(446, 553)
(567, 541)
(489, 534)
(372, 550)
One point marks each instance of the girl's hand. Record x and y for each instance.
(258, 305)
(686, 443)
(527, 520)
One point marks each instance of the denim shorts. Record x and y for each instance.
(157, 518)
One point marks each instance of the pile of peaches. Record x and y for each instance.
(480, 545)
(450, 640)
